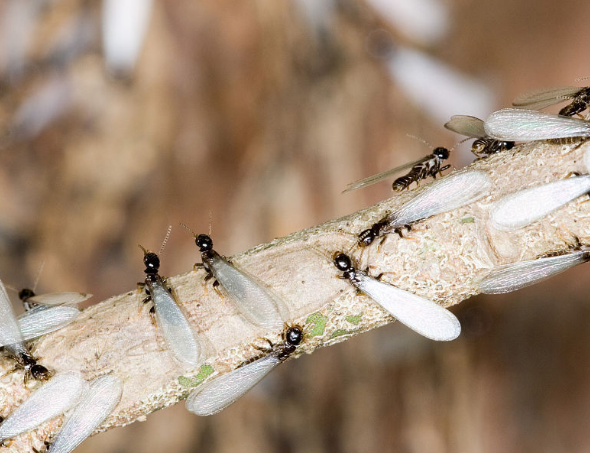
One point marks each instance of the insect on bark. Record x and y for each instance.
(178, 333)
(483, 145)
(418, 313)
(220, 392)
(252, 300)
(429, 165)
(12, 339)
(545, 97)
(449, 193)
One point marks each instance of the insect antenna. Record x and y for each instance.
(165, 240)
(38, 276)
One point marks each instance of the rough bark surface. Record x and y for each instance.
(442, 258)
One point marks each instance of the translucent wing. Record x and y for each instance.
(529, 125)
(65, 298)
(443, 195)
(224, 390)
(53, 398)
(369, 181)
(94, 407)
(470, 126)
(10, 334)
(176, 330)
(539, 99)
(524, 207)
(252, 300)
(418, 313)
(43, 320)
(510, 277)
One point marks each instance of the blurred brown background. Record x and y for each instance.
(260, 113)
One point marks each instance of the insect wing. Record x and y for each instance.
(418, 313)
(252, 300)
(524, 207)
(42, 320)
(176, 330)
(529, 125)
(53, 398)
(539, 99)
(65, 298)
(470, 126)
(224, 390)
(510, 277)
(94, 407)
(444, 195)
(374, 179)
(10, 334)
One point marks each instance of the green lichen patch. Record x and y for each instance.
(467, 220)
(204, 372)
(317, 321)
(354, 319)
(340, 332)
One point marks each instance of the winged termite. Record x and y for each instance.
(429, 165)
(545, 97)
(483, 145)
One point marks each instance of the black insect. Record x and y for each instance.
(292, 337)
(205, 244)
(473, 127)
(430, 165)
(173, 324)
(25, 294)
(32, 368)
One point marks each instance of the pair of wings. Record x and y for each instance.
(544, 97)
(89, 405)
(38, 321)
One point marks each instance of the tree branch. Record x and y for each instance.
(442, 258)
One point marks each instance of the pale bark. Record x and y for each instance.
(442, 258)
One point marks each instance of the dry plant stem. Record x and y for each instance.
(442, 258)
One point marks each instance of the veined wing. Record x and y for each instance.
(528, 125)
(224, 390)
(443, 195)
(10, 334)
(63, 298)
(510, 277)
(418, 313)
(176, 330)
(369, 181)
(51, 400)
(544, 97)
(94, 407)
(524, 207)
(470, 126)
(253, 301)
(42, 320)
